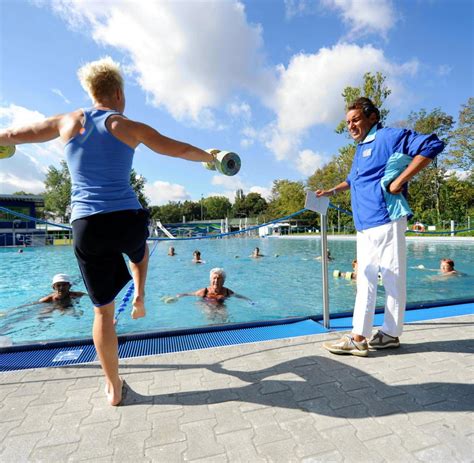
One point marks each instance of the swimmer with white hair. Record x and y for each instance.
(215, 293)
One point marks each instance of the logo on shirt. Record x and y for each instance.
(366, 153)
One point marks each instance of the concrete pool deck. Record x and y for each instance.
(285, 400)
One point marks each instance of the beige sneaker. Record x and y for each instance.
(380, 340)
(347, 345)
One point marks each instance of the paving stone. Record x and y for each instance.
(129, 446)
(344, 438)
(439, 454)
(95, 441)
(282, 451)
(133, 418)
(54, 453)
(266, 427)
(329, 457)
(391, 448)
(308, 440)
(201, 440)
(18, 448)
(37, 419)
(229, 417)
(64, 430)
(239, 446)
(324, 416)
(7, 426)
(165, 429)
(13, 408)
(171, 453)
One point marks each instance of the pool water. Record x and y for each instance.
(284, 283)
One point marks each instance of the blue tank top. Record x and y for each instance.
(100, 165)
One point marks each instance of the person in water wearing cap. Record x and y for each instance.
(215, 293)
(62, 290)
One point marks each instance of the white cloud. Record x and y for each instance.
(160, 192)
(299, 7)
(459, 174)
(309, 90)
(308, 161)
(26, 170)
(187, 56)
(231, 184)
(240, 109)
(365, 16)
(58, 92)
(264, 192)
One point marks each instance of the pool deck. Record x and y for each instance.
(285, 400)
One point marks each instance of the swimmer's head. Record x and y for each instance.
(446, 265)
(217, 272)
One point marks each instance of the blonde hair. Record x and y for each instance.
(101, 78)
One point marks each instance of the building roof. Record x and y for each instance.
(37, 199)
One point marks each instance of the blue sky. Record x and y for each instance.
(262, 78)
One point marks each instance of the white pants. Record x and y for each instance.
(381, 249)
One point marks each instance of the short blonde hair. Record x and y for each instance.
(218, 271)
(101, 78)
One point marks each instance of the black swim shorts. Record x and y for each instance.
(100, 241)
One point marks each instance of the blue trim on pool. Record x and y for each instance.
(80, 351)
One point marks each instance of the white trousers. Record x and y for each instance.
(381, 249)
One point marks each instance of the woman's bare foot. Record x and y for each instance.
(114, 392)
(138, 308)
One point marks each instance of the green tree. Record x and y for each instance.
(138, 184)
(462, 139)
(255, 205)
(191, 210)
(287, 197)
(431, 178)
(168, 213)
(216, 207)
(57, 196)
(23, 193)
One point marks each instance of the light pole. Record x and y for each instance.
(202, 211)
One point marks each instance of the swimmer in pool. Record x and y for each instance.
(197, 257)
(62, 294)
(256, 253)
(216, 292)
(446, 267)
(171, 251)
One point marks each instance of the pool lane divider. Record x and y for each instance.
(74, 352)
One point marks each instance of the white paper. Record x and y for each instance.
(313, 203)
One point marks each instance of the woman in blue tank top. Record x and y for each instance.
(99, 147)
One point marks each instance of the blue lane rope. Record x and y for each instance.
(128, 295)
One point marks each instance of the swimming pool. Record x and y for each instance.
(285, 283)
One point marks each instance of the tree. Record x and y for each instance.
(430, 178)
(138, 184)
(168, 213)
(287, 197)
(255, 205)
(57, 196)
(462, 139)
(23, 193)
(191, 210)
(217, 207)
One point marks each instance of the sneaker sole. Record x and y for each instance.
(357, 353)
(385, 346)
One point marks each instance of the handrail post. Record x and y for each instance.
(324, 269)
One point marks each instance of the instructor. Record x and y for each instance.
(384, 161)
(106, 217)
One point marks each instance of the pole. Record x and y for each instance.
(324, 269)
(452, 228)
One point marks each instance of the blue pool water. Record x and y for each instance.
(284, 286)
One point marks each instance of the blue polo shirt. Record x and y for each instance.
(379, 159)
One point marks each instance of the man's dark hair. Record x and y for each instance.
(366, 105)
